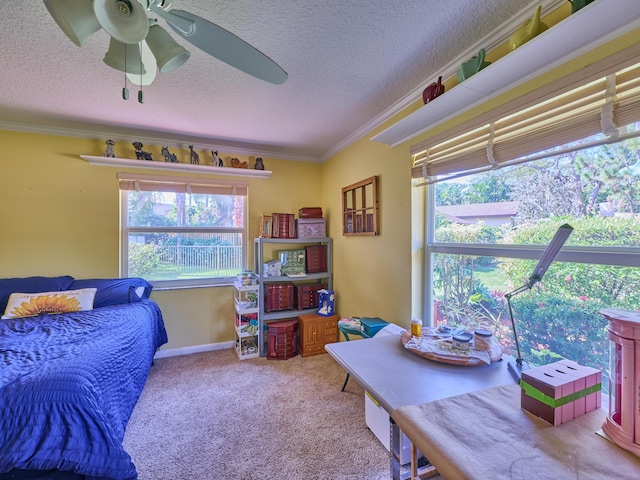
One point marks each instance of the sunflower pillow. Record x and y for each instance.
(32, 304)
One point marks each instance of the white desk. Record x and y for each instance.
(397, 377)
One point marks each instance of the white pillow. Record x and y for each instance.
(32, 304)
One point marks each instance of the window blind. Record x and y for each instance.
(159, 183)
(517, 131)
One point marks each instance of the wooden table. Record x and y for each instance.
(485, 434)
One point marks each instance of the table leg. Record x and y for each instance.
(345, 383)
(423, 473)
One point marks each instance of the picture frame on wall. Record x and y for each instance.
(360, 208)
(266, 222)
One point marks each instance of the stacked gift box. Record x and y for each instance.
(283, 225)
(561, 391)
(272, 268)
(292, 261)
(326, 303)
(310, 223)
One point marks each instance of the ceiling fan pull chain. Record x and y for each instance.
(140, 94)
(125, 90)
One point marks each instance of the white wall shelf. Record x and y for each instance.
(176, 167)
(585, 30)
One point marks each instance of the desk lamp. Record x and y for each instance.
(545, 261)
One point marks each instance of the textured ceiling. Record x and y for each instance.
(348, 63)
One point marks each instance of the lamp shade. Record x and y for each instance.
(76, 19)
(125, 20)
(169, 55)
(124, 57)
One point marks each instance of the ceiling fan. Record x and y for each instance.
(138, 44)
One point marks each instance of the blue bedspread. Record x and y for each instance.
(68, 386)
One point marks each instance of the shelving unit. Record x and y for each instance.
(246, 299)
(259, 259)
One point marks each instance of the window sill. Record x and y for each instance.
(190, 286)
(176, 167)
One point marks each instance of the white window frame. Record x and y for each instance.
(615, 256)
(191, 185)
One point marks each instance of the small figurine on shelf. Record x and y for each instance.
(217, 161)
(579, 4)
(168, 156)
(140, 154)
(236, 163)
(259, 165)
(195, 158)
(433, 91)
(528, 30)
(108, 152)
(472, 66)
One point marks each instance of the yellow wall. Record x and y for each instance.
(371, 278)
(60, 216)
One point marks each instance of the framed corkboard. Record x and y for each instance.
(360, 208)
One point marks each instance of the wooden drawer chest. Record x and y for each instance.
(282, 340)
(316, 258)
(315, 332)
(278, 296)
(306, 296)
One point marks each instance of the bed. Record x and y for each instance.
(69, 381)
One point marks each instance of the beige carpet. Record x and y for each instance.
(211, 416)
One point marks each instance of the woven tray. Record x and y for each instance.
(495, 354)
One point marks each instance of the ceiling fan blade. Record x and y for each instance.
(225, 46)
(184, 26)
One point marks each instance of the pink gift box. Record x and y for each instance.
(560, 391)
(591, 376)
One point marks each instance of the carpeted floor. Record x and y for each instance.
(211, 416)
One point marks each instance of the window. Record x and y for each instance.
(182, 231)
(489, 229)
(498, 189)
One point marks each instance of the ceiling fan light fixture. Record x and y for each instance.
(124, 20)
(76, 19)
(124, 57)
(149, 65)
(169, 54)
